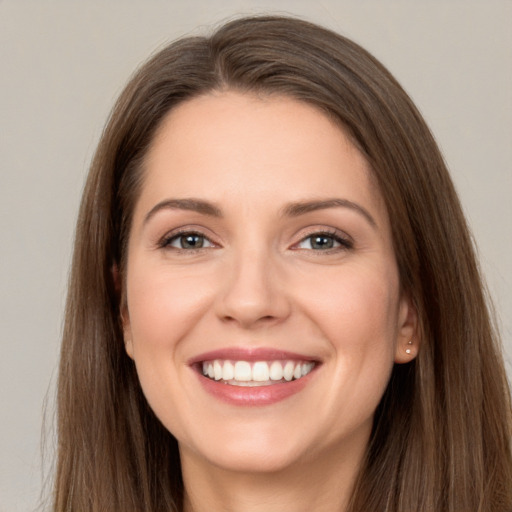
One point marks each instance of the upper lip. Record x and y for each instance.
(250, 355)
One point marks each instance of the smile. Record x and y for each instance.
(256, 373)
(254, 376)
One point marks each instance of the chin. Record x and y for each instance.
(250, 452)
(250, 460)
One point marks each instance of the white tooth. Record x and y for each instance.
(288, 370)
(228, 371)
(217, 370)
(260, 371)
(211, 372)
(297, 373)
(306, 368)
(205, 368)
(276, 371)
(243, 371)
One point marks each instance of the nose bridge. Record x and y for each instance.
(253, 292)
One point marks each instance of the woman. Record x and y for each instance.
(274, 300)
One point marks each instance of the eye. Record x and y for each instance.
(187, 241)
(324, 242)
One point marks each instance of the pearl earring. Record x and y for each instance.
(408, 350)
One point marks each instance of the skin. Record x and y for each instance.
(259, 282)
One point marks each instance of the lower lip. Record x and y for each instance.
(254, 396)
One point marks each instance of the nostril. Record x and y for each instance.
(264, 319)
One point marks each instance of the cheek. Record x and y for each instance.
(357, 313)
(364, 338)
(357, 306)
(164, 304)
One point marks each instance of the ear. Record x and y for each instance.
(123, 310)
(408, 343)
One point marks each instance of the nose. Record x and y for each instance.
(253, 293)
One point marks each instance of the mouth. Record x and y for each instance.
(253, 377)
(255, 373)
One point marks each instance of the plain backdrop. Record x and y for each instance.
(63, 63)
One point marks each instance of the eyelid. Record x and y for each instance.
(164, 242)
(345, 241)
(177, 238)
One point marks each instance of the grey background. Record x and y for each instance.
(61, 66)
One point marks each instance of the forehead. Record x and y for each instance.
(228, 143)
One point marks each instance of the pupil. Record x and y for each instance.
(191, 241)
(322, 242)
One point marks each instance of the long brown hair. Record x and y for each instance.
(442, 432)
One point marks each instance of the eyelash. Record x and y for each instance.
(167, 240)
(344, 242)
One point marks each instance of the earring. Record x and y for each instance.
(408, 350)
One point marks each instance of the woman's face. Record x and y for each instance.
(260, 254)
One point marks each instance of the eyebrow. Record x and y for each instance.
(195, 205)
(295, 209)
(303, 207)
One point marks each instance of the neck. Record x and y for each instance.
(323, 486)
